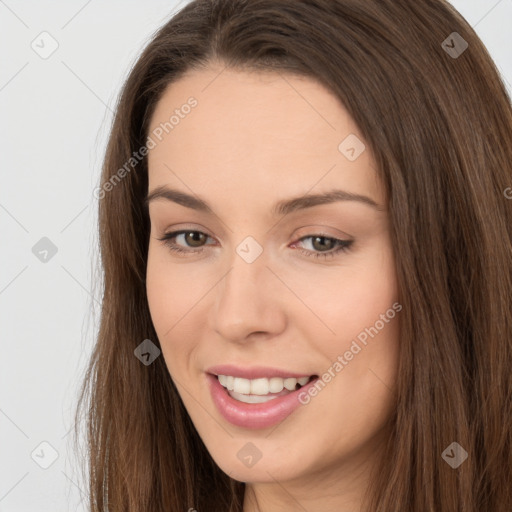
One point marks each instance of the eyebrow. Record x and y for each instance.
(283, 207)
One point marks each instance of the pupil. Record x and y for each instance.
(193, 238)
(322, 238)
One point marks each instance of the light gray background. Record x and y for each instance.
(55, 115)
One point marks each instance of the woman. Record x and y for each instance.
(305, 233)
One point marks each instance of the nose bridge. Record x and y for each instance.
(248, 274)
(245, 300)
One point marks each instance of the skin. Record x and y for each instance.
(252, 140)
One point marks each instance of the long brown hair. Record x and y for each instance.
(439, 124)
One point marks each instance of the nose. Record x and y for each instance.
(249, 301)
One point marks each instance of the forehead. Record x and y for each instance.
(259, 131)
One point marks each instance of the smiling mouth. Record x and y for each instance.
(257, 391)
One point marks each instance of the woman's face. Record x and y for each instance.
(267, 290)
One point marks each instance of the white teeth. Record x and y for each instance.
(262, 386)
(290, 383)
(242, 385)
(276, 385)
(259, 387)
(251, 399)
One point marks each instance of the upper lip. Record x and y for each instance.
(254, 372)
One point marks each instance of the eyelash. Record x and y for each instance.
(342, 245)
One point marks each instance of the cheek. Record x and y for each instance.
(349, 298)
(359, 306)
(171, 289)
(176, 301)
(161, 301)
(168, 300)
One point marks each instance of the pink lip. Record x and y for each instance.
(253, 372)
(254, 416)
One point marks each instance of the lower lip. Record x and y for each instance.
(254, 416)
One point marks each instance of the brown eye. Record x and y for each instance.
(324, 246)
(195, 238)
(185, 241)
(323, 243)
